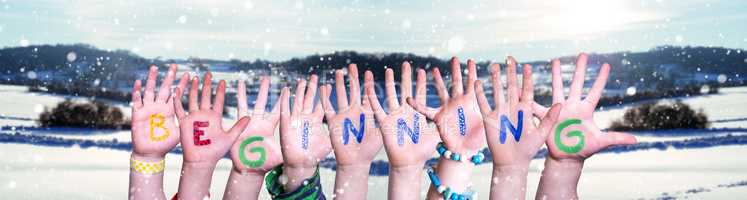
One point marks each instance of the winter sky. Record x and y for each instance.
(279, 29)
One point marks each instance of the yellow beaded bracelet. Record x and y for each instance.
(147, 167)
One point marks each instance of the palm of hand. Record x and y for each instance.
(164, 134)
(467, 135)
(298, 151)
(349, 150)
(203, 136)
(512, 150)
(256, 150)
(407, 152)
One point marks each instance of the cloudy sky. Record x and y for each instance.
(279, 29)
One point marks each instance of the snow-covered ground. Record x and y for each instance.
(38, 172)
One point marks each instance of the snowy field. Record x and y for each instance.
(41, 172)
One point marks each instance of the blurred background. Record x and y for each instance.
(677, 81)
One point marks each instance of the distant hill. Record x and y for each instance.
(661, 66)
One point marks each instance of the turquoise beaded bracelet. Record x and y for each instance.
(446, 191)
(476, 159)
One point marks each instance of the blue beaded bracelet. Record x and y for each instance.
(476, 159)
(446, 191)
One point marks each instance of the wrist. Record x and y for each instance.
(147, 157)
(454, 174)
(295, 175)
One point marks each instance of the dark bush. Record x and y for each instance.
(95, 114)
(661, 116)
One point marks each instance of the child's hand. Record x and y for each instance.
(512, 136)
(154, 131)
(573, 134)
(459, 120)
(256, 150)
(355, 138)
(302, 141)
(408, 139)
(203, 138)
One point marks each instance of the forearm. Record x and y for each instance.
(509, 182)
(245, 185)
(559, 179)
(404, 182)
(455, 175)
(146, 186)
(351, 181)
(195, 180)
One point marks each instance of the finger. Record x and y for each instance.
(527, 84)
(391, 92)
(150, 85)
(274, 113)
(471, 75)
(193, 94)
(329, 111)
(241, 106)
(238, 127)
(165, 91)
(481, 100)
(261, 102)
(619, 138)
(183, 82)
(373, 98)
(207, 84)
(177, 101)
(495, 78)
(355, 91)
(308, 100)
(137, 99)
(557, 83)
(405, 85)
(299, 98)
(285, 102)
(430, 113)
(220, 96)
(550, 119)
(318, 110)
(443, 93)
(342, 96)
(456, 77)
(513, 88)
(421, 90)
(596, 90)
(577, 84)
(539, 110)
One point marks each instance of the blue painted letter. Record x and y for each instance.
(462, 121)
(516, 131)
(349, 127)
(414, 133)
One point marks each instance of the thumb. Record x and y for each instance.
(550, 119)
(238, 127)
(619, 138)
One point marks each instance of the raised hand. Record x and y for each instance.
(203, 138)
(256, 150)
(512, 136)
(154, 131)
(355, 137)
(408, 140)
(204, 141)
(573, 136)
(459, 123)
(302, 140)
(459, 120)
